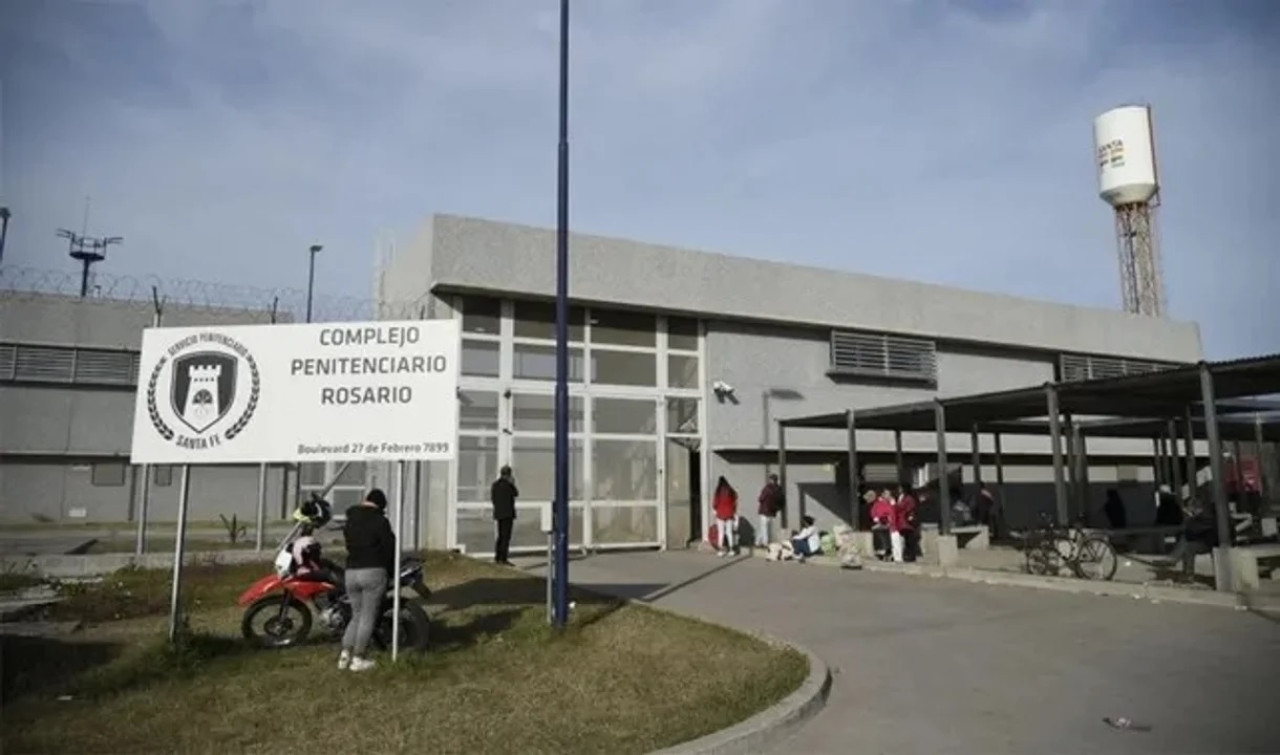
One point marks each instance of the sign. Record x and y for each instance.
(297, 393)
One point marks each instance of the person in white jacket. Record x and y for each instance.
(807, 542)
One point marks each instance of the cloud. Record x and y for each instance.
(947, 142)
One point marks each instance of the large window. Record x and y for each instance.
(682, 371)
(480, 358)
(354, 474)
(634, 368)
(624, 416)
(478, 410)
(624, 328)
(682, 334)
(534, 462)
(477, 467)
(536, 413)
(682, 415)
(535, 319)
(533, 362)
(312, 475)
(624, 470)
(481, 315)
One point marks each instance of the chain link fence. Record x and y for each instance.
(263, 305)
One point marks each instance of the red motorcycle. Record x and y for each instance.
(284, 605)
(284, 601)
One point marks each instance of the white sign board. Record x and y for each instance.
(297, 393)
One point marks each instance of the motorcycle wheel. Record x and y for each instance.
(415, 628)
(279, 630)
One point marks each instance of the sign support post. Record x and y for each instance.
(262, 509)
(395, 577)
(140, 542)
(179, 545)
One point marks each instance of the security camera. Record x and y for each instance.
(722, 387)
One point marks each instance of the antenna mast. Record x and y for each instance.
(85, 249)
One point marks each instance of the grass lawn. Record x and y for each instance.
(623, 678)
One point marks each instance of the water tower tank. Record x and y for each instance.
(1126, 156)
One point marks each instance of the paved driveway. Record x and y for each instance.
(928, 665)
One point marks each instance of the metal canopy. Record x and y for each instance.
(832, 421)
(1153, 396)
(1232, 430)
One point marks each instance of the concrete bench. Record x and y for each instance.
(1245, 563)
(974, 537)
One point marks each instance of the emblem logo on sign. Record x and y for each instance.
(199, 394)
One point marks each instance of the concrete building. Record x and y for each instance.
(68, 376)
(683, 361)
(682, 364)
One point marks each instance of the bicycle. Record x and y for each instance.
(1050, 547)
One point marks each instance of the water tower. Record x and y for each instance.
(1128, 180)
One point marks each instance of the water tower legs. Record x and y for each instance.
(1140, 276)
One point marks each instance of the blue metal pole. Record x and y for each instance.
(561, 511)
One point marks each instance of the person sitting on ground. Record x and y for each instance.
(883, 523)
(1113, 509)
(725, 504)
(808, 541)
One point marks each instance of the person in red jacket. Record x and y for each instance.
(884, 523)
(724, 503)
(907, 542)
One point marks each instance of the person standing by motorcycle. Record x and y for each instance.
(371, 553)
(503, 494)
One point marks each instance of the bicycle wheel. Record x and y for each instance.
(1095, 559)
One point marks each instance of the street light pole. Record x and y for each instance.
(311, 277)
(561, 510)
(4, 228)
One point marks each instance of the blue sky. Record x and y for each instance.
(941, 141)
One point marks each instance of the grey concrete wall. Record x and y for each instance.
(407, 277)
(486, 255)
(54, 490)
(107, 323)
(85, 424)
(755, 358)
(812, 489)
(40, 419)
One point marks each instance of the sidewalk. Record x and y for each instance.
(936, 665)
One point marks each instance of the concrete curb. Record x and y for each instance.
(773, 724)
(1153, 593)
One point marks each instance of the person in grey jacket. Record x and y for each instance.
(371, 554)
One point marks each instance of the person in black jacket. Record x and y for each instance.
(503, 495)
(371, 555)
